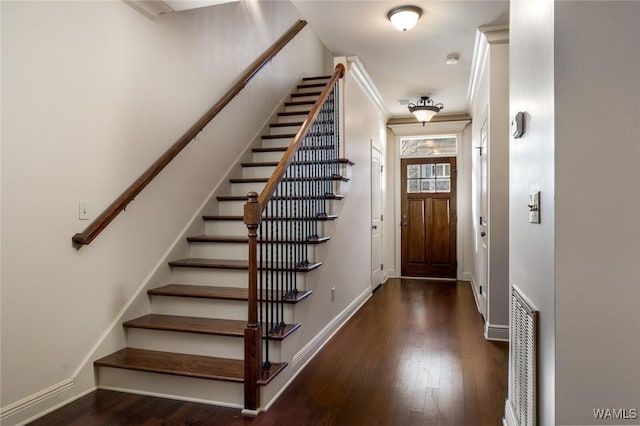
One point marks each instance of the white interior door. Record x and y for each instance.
(483, 229)
(376, 217)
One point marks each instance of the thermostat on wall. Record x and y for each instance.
(517, 125)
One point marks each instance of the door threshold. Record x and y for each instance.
(428, 278)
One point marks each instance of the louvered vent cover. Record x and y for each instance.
(523, 359)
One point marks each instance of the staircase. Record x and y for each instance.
(192, 344)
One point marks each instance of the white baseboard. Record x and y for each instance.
(509, 418)
(40, 403)
(311, 349)
(496, 332)
(171, 396)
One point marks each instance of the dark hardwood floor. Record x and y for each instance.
(413, 355)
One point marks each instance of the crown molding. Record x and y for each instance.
(150, 9)
(486, 36)
(362, 77)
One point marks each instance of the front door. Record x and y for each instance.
(429, 217)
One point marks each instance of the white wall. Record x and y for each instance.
(597, 209)
(490, 101)
(531, 168)
(580, 265)
(93, 92)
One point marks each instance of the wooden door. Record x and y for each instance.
(429, 217)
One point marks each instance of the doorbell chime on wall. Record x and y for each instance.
(517, 125)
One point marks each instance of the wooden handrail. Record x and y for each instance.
(287, 158)
(100, 223)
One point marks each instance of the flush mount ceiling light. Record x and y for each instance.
(403, 18)
(424, 109)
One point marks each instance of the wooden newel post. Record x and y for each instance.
(252, 333)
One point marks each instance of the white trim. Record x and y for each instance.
(361, 76)
(170, 396)
(150, 9)
(431, 128)
(56, 406)
(250, 413)
(509, 418)
(485, 36)
(37, 397)
(495, 34)
(476, 296)
(496, 332)
(315, 345)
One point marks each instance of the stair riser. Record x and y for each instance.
(312, 89)
(307, 97)
(220, 277)
(297, 108)
(291, 118)
(245, 188)
(289, 188)
(236, 228)
(288, 130)
(207, 308)
(194, 344)
(277, 143)
(240, 251)
(261, 157)
(257, 172)
(212, 391)
(186, 343)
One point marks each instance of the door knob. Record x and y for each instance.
(374, 227)
(482, 234)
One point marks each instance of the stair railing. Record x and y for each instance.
(104, 219)
(282, 221)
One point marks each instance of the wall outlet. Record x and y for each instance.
(83, 210)
(333, 294)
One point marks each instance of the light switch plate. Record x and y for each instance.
(534, 207)
(83, 210)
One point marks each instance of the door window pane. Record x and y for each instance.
(429, 177)
(413, 171)
(413, 185)
(428, 185)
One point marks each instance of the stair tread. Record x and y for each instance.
(275, 163)
(212, 326)
(224, 239)
(292, 124)
(298, 103)
(293, 113)
(327, 196)
(284, 148)
(311, 85)
(305, 94)
(279, 136)
(312, 179)
(213, 292)
(240, 218)
(320, 77)
(196, 262)
(198, 366)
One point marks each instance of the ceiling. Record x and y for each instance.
(406, 65)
